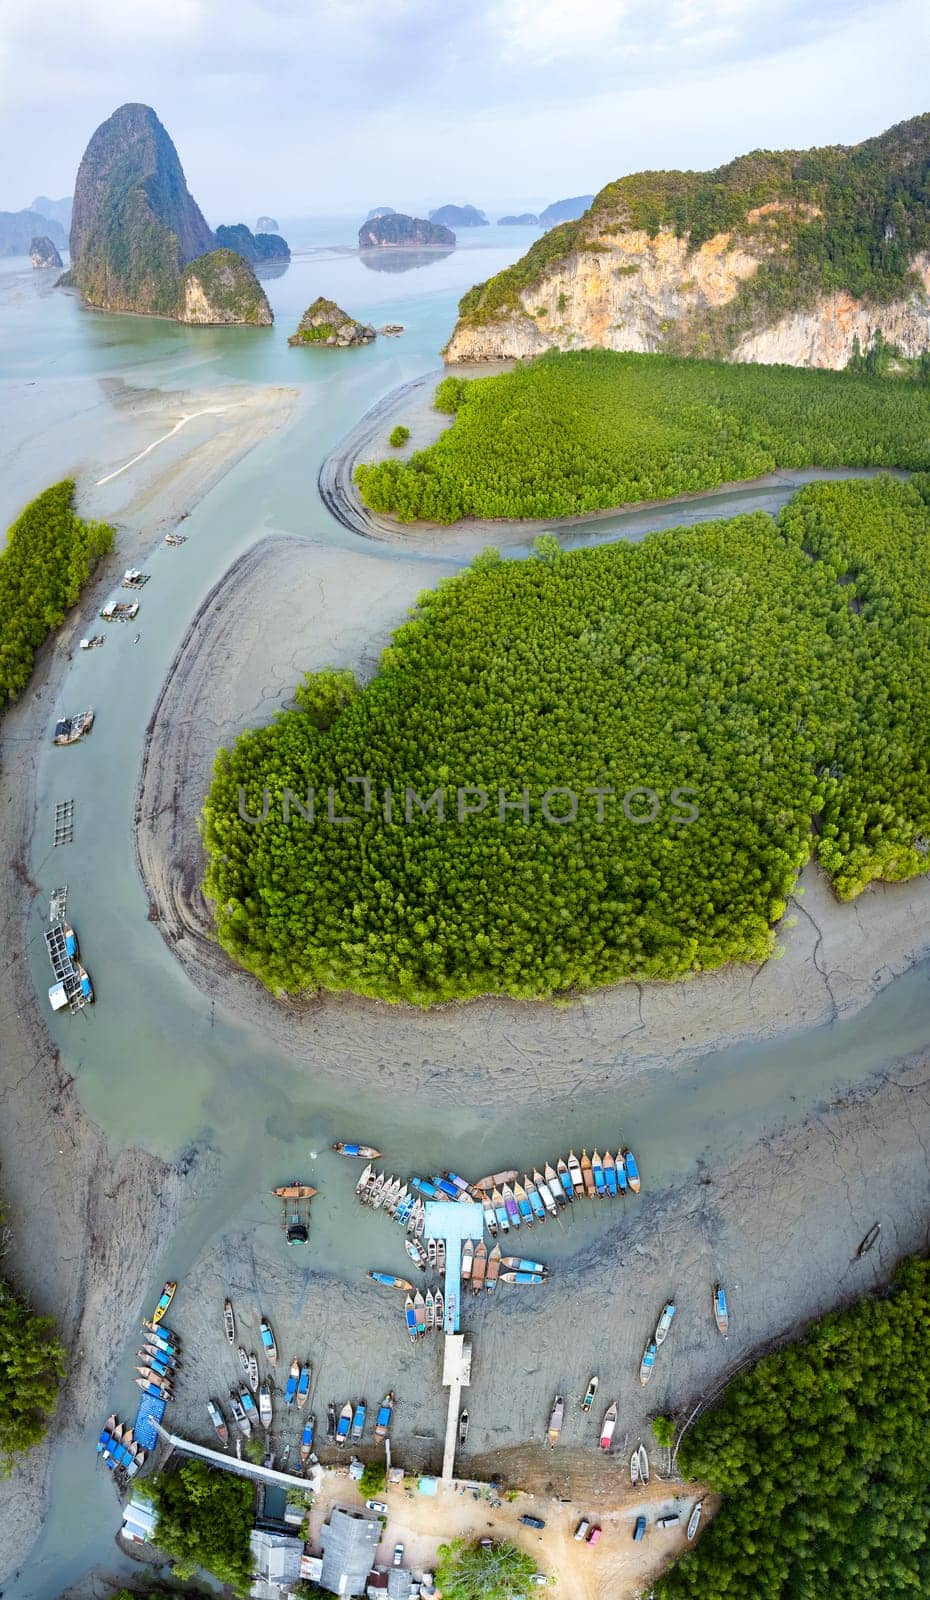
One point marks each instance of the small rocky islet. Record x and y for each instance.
(394, 228)
(327, 325)
(43, 253)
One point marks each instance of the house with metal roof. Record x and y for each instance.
(349, 1541)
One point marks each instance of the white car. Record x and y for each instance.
(398, 1554)
(377, 1506)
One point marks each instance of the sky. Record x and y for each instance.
(328, 107)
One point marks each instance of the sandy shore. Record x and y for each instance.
(287, 606)
(86, 1226)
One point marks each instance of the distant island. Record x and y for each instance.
(19, 228)
(56, 210)
(526, 219)
(394, 228)
(380, 211)
(43, 253)
(256, 247)
(139, 241)
(325, 323)
(459, 217)
(565, 210)
(266, 225)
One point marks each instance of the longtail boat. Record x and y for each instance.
(229, 1322)
(610, 1174)
(634, 1468)
(265, 1410)
(589, 1394)
(399, 1200)
(462, 1184)
(495, 1179)
(545, 1190)
(440, 1255)
(468, 1258)
(479, 1267)
(157, 1359)
(330, 1423)
(416, 1253)
(500, 1211)
(167, 1295)
(290, 1393)
(664, 1322)
(344, 1424)
(597, 1173)
(647, 1363)
(155, 1375)
(364, 1178)
(523, 1204)
(522, 1277)
(404, 1207)
(587, 1176)
(389, 1280)
(556, 1417)
(621, 1173)
(377, 1189)
(358, 1421)
(253, 1372)
(522, 1264)
(216, 1417)
(446, 1187)
(428, 1313)
(161, 1391)
(431, 1254)
(574, 1168)
(385, 1413)
(463, 1428)
(248, 1406)
(243, 1355)
(643, 1464)
(721, 1313)
(534, 1198)
(490, 1220)
(366, 1151)
(306, 1439)
(160, 1331)
(632, 1170)
(511, 1207)
(410, 1317)
(303, 1386)
(694, 1519)
(158, 1337)
(608, 1425)
(268, 1342)
(866, 1244)
(419, 1306)
(494, 1267)
(295, 1191)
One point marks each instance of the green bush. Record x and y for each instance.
(204, 1519)
(590, 429)
(398, 435)
(32, 1364)
(49, 555)
(820, 1454)
(776, 676)
(471, 1572)
(373, 1480)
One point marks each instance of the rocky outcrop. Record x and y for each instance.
(266, 225)
(324, 323)
(459, 217)
(256, 247)
(19, 228)
(397, 230)
(565, 210)
(826, 335)
(43, 253)
(380, 211)
(134, 225)
(525, 219)
(220, 288)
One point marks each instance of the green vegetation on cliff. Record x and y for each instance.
(599, 695)
(32, 1364)
(842, 217)
(228, 285)
(587, 430)
(49, 555)
(204, 1520)
(820, 1454)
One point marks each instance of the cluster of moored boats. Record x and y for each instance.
(118, 1449)
(349, 1426)
(160, 1354)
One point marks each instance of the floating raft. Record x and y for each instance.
(151, 1410)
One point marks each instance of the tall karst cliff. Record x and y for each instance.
(135, 225)
(784, 256)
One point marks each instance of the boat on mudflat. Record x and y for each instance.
(587, 1175)
(248, 1406)
(647, 1363)
(390, 1281)
(161, 1310)
(871, 1238)
(534, 1198)
(410, 1317)
(622, 1184)
(597, 1172)
(608, 1425)
(463, 1428)
(556, 1418)
(364, 1179)
(522, 1277)
(306, 1439)
(468, 1259)
(634, 1468)
(479, 1267)
(664, 1322)
(330, 1423)
(510, 1206)
(643, 1464)
(439, 1311)
(419, 1306)
(294, 1191)
(416, 1253)
(358, 1421)
(521, 1264)
(366, 1151)
(721, 1313)
(429, 1310)
(610, 1174)
(290, 1392)
(494, 1267)
(239, 1417)
(253, 1373)
(268, 1343)
(440, 1255)
(694, 1519)
(589, 1394)
(431, 1247)
(229, 1322)
(303, 1386)
(523, 1204)
(545, 1190)
(385, 1413)
(574, 1170)
(490, 1220)
(632, 1170)
(243, 1355)
(265, 1411)
(500, 1211)
(343, 1426)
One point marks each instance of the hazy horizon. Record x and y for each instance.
(342, 105)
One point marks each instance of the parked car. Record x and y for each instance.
(594, 1535)
(640, 1528)
(540, 1578)
(582, 1528)
(398, 1554)
(532, 1522)
(671, 1521)
(377, 1506)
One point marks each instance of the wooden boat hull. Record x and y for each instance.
(161, 1310)
(295, 1191)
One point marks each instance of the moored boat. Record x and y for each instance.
(364, 1178)
(161, 1391)
(243, 1355)
(494, 1267)
(253, 1372)
(440, 1255)
(153, 1357)
(428, 1317)
(419, 1306)
(490, 1220)
(268, 1343)
(248, 1406)
(156, 1375)
(622, 1184)
(468, 1259)
(331, 1422)
(399, 1201)
(634, 1468)
(290, 1392)
(610, 1174)
(664, 1322)
(358, 1421)
(647, 1363)
(597, 1173)
(589, 1394)
(556, 1417)
(632, 1171)
(608, 1425)
(377, 1189)
(587, 1175)
(479, 1267)
(431, 1254)
(306, 1439)
(343, 1426)
(265, 1410)
(161, 1310)
(229, 1322)
(439, 1311)
(416, 1253)
(366, 1151)
(522, 1278)
(534, 1198)
(389, 1280)
(500, 1211)
(160, 1336)
(385, 1413)
(239, 1417)
(523, 1204)
(574, 1170)
(303, 1386)
(643, 1464)
(463, 1428)
(544, 1188)
(410, 1318)
(510, 1206)
(522, 1264)
(721, 1311)
(294, 1191)
(871, 1237)
(694, 1519)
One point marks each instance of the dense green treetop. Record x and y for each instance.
(32, 1364)
(476, 1572)
(820, 1454)
(204, 1519)
(776, 673)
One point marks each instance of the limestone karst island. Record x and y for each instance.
(464, 707)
